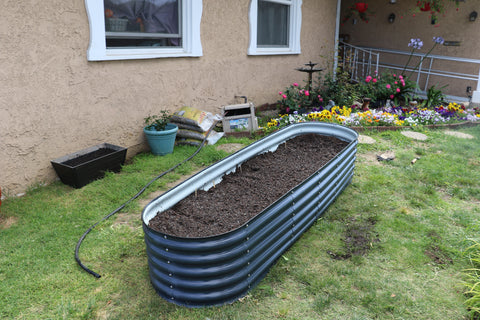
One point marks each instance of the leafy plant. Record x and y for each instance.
(158, 122)
(294, 98)
(341, 89)
(387, 86)
(435, 97)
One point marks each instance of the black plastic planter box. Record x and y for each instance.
(84, 166)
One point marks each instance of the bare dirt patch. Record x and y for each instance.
(359, 237)
(370, 158)
(7, 222)
(230, 147)
(459, 134)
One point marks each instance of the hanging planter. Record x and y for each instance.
(360, 10)
(434, 7)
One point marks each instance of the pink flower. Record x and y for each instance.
(403, 83)
(280, 92)
(374, 80)
(307, 93)
(388, 86)
(394, 75)
(391, 96)
(400, 77)
(396, 82)
(295, 84)
(284, 96)
(368, 79)
(398, 89)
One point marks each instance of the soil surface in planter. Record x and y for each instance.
(88, 157)
(243, 194)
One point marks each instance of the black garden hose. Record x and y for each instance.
(77, 247)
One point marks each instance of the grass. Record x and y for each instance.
(416, 221)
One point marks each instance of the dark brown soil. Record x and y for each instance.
(242, 195)
(88, 157)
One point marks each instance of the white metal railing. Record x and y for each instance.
(358, 61)
(424, 68)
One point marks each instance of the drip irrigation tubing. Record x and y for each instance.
(79, 243)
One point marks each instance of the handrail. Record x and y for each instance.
(424, 67)
(354, 56)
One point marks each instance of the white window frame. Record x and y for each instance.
(295, 26)
(191, 44)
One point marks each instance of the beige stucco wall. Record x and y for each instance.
(453, 25)
(54, 102)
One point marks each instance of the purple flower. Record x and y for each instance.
(416, 43)
(438, 40)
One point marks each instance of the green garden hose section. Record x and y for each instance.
(79, 243)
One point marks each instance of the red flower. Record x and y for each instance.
(424, 6)
(361, 7)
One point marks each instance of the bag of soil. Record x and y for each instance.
(194, 118)
(189, 137)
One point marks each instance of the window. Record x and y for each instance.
(275, 27)
(143, 29)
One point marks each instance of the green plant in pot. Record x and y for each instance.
(160, 133)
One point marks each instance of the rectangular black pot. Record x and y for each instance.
(82, 167)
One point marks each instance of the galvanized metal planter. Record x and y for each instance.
(198, 272)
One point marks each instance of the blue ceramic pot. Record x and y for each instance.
(161, 142)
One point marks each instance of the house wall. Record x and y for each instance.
(54, 102)
(453, 25)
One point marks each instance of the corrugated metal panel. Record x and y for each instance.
(216, 270)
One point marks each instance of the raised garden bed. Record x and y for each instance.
(204, 268)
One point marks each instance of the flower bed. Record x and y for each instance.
(453, 113)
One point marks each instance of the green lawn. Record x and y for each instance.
(391, 246)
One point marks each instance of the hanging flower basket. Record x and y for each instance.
(358, 9)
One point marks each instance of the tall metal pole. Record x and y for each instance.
(337, 34)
